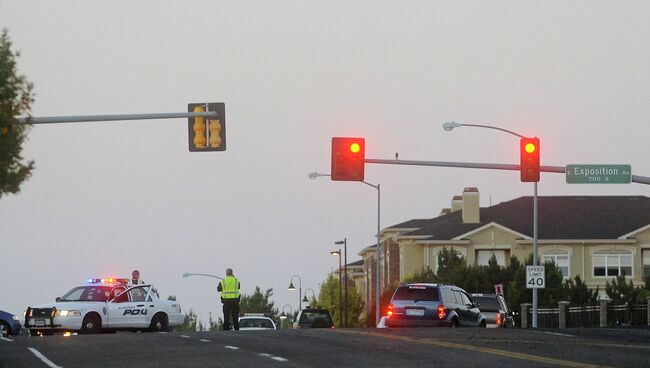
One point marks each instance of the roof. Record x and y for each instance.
(560, 217)
(357, 263)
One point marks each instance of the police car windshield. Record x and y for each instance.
(87, 294)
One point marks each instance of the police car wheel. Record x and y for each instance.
(91, 324)
(158, 323)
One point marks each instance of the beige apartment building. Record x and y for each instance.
(595, 237)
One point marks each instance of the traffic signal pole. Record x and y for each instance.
(114, 117)
(475, 165)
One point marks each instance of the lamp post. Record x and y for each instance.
(451, 125)
(291, 287)
(345, 278)
(314, 175)
(313, 295)
(283, 316)
(338, 253)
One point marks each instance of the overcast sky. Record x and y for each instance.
(106, 198)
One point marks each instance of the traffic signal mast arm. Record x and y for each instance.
(115, 117)
(475, 165)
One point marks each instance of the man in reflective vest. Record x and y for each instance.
(229, 288)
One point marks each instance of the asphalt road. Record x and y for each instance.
(418, 347)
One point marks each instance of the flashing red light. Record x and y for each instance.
(441, 311)
(529, 159)
(348, 159)
(390, 310)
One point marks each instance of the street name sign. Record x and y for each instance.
(535, 277)
(598, 174)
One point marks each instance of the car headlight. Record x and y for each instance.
(15, 318)
(68, 313)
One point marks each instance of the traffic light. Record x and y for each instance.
(207, 134)
(529, 159)
(348, 159)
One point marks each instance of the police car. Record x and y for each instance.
(256, 322)
(108, 304)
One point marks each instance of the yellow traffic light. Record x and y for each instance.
(215, 133)
(207, 134)
(199, 129)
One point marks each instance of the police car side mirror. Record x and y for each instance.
(58, 299)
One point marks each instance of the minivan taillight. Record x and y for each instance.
(441, 311)
(389, 312)
(499, 319)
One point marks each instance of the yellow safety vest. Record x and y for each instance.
(230, 288)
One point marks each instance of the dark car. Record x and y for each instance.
(495, 309)
(9, 324)
(314, 318)
(421, 304)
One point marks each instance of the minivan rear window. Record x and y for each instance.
(416, 293)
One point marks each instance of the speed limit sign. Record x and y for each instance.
(535, 277)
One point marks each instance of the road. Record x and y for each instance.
(440, 347)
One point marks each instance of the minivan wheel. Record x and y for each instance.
(483, 324)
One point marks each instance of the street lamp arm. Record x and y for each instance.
(186, 274)
(451, 125)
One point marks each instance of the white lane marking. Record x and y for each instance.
(185, 336)
(279, 359)
(265, 355)
(554, 333)
(231, 347)
(43, 358)
(204, 340)
(6, 339)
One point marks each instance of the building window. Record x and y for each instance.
(483, 257)
(646, 262)
(612, 263)
(561, 260)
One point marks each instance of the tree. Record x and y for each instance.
(259, 303)
(328, 298)
(190, 322)
(579, 293)
(15, 100)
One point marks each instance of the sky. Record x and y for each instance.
(109, 197)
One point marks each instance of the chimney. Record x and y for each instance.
(470, 205)
(456, 203)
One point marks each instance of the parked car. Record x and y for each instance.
(314, 318)
(9, 324)
(255, 322)
(495, 309)
(420, 304)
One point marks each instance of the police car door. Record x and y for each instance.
(128, 310)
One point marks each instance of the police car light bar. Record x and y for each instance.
(108, 280)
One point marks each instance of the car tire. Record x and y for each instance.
(5, 330)
(91, 324)
(483, 324)
(158, 323)
(454, 323)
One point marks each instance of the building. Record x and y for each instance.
(595, 237)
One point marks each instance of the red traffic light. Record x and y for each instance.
(529, 159)
(348, 159)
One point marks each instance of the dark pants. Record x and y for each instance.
(230, 309)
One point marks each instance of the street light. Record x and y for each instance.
(345, 277)
(291, 287)
(338, 253)
(187, 274)
(314, 175)
(313, 295)
(451, 125)
(283, 316)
